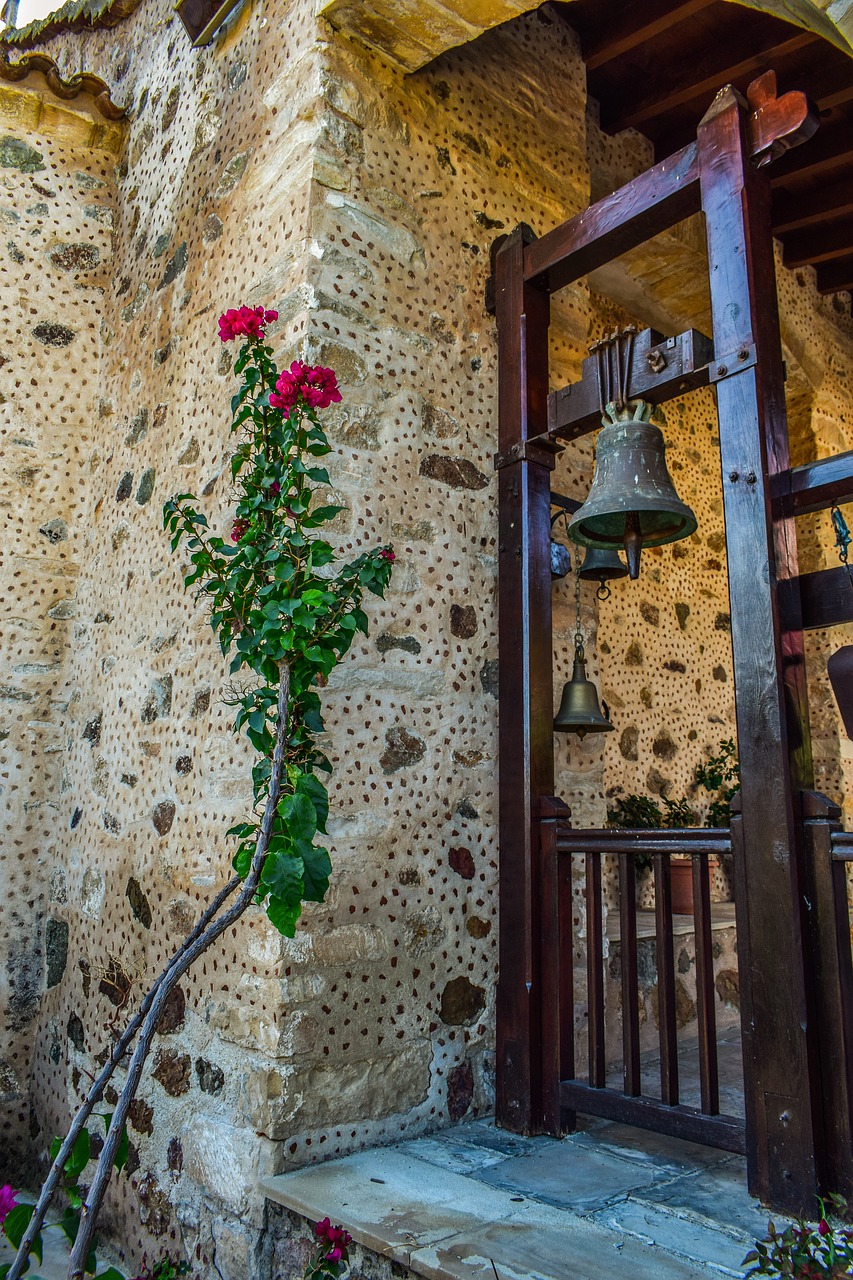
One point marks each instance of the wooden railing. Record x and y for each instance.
(564, 1090)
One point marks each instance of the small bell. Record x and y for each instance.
(632, 502)
(600, 566)
(580, 712)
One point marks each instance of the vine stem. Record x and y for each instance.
(54, 1176)
(145, 1021)
(182, 961)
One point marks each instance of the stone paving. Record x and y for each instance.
(475, 1201)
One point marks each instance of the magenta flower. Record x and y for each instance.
(315, 386)
(239, 529)
(7, 1202)
(245, 322)
(387, 554)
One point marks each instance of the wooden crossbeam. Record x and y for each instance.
(817, 486)
(806, 248)
(832, 148)
(637, 24)
(660, 369)
(793, 212)
(670, 89)
(826, 598)
(835, 277)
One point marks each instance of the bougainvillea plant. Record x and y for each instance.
(279, 600)
(807, 1251)
(332, 1254)
(286, 610)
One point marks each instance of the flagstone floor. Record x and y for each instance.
(609, 1201)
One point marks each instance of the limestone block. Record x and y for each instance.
(281, 1102)
(222, 1159)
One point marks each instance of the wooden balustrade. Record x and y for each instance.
(566, 853)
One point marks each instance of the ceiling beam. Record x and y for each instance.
(636, 25)
(806, 248)
(793, 212)
(831, 148)
(696, 84)
(836, 277)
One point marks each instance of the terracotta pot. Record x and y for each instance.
(681, 874)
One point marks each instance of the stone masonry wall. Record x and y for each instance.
(56, 210)
(288, 166)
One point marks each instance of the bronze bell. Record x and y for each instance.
(600, 565)
(632, 502)
(579, 711)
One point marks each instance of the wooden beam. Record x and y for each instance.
(826, 598)
(636, 24)
(835, 277)
(525, 680)
(817, 486)
(831, 149)
(793, 212)
(780, 1049)
(654, 201)
(668, 91)
(660, 369)
(806, 248)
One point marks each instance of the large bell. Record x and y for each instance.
(579, 711)
(632, 502)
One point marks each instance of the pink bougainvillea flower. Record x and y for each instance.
(7, 1201)
(245, 322)
(823, 1227)
(274, 490)
(239, 529)
(314, 386)
(387, 554)
(334, 1255)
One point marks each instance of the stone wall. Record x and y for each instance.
(288, 166)
(56, 211)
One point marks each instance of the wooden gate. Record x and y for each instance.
(790, 1134)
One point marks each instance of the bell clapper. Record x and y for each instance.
(633, 544)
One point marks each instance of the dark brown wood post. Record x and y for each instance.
(826, 895)
(784, 1122)
(526, 710)
(555, 945)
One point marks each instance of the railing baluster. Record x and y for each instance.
(595, 971)
(666, 982)
(630, 982)
(567, 971)
(708, 1076)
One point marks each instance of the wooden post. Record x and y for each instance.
(829, 933)
(784, 1121)
(526, 709)
(555, 942)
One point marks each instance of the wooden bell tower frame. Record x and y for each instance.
(722, 174)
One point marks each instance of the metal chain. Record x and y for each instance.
(579, 654)
(843, 538)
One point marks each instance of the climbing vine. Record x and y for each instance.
(280, 599)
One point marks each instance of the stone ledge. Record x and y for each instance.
(445, 1226)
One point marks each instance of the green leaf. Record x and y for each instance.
(319, 797)
(80, 1156)
(284, 915)
(242, 860)
(122, 1151)
(283, 876)
(16, 1223)
(110, 1274)
(299, 816)
(317, 869)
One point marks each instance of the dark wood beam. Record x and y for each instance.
(817, 486)
(793, 212)
(660, 369)
(654, 201)
(670, 89)
(835, 277)
(780, 1040)
(826, 598)
(636, 24)
(832, 148)
(805, 248)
